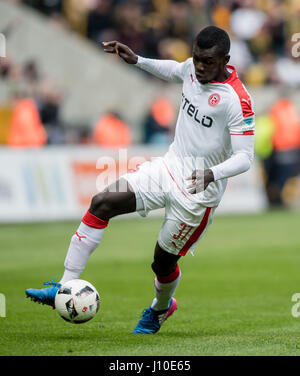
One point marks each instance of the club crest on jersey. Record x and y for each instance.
(214, 99)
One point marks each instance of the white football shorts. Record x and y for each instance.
(185, 219)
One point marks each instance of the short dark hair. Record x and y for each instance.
(212, 36)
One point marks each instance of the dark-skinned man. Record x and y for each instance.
(214, 140)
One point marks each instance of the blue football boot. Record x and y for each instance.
(152, 320)
(46, 295)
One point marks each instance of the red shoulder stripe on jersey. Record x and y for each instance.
(244, 97)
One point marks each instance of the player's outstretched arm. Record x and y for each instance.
(168, 70)
(125, 53)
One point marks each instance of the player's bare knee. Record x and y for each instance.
(101, 205)
(97, 201)
(161, 268)
(156, 267)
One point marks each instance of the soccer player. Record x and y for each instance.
(214, 140)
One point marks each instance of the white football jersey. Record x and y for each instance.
(208, 115)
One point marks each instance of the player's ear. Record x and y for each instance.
(226, 59)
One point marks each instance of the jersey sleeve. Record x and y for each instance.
(240, 161)
(168, 70)
(240, 115)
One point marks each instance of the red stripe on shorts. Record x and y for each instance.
(174, 179)
(91, 220)
(196, 234)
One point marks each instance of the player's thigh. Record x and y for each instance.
(178, 237)
(147, 182)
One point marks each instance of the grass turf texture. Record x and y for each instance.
(234, 297)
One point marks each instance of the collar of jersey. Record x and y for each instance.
(231, 77)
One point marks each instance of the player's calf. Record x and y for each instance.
(105, 205)
(166, 281)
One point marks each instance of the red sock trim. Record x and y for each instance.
(171, 277)
(91, 220)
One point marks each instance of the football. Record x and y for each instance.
(77, 301)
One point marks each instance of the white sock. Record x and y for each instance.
(164, 292)
(85, 240)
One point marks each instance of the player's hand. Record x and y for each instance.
(115, 47)
(199, 181)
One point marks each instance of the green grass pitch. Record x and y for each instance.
(234, 297)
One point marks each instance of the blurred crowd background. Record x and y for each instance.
(260, 30)
(261, 50)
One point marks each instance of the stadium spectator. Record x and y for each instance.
(75, 12)
(128, 20)
(6, 68)
(221, 14)
(275, 24)
(100, 21)
(247, 21)
(159, 122)
(49, 102)
(31, 71)
(26, 81)
(112, 132)
(288, 63)
(278, 146)
(26, 128)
